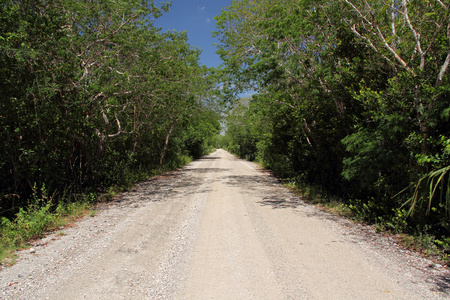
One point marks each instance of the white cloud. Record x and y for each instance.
(208, 20)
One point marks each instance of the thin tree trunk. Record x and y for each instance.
(166, 142)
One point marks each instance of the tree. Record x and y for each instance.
(283, 50)
(92, 93)
(353, 91)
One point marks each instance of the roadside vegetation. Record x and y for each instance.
(351, 103)
(93, 99)
(351, 100)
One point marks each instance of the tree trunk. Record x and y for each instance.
(166, 142)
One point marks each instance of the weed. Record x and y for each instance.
(93, 212)
(43, 214)
(38, 217)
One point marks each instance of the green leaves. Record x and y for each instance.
(435, 182)
(351, 95)
(92, 92)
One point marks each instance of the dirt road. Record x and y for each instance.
(219, 229)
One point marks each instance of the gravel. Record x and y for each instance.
(219, 228)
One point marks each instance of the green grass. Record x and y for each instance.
(33, 222)
(42, 215)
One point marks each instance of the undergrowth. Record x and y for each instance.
(40, 216)
(46, 213)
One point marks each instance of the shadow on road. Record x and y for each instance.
(262, 187)
(443, 284)
(208, 170)
(164, 187)
(276, 202)
(208, 158)
(282, 199)
(266, 189)
(167, 186)
(249, 182)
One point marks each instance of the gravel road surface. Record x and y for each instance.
(219, 228)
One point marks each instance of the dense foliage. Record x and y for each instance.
(351, 96)
(92, 93)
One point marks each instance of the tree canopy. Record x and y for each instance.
(92, 92)
(351, 96)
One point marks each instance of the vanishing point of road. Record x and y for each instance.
(220, 228)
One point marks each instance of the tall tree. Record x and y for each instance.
(91, 92)
(351, 88)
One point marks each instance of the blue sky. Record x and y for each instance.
(195, 17)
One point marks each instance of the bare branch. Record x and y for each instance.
(415, 34)
(394, 32)
(99, 41)
(123, 93)
(413, 55)
(117, 71)
(440, 26)
(306, 130)
(359, 12)
(392, 51)
(371, 45)
(123, 23)
(443, 70)
(97, 132)
(105, 118)
(442, 4)
(280, 102)
(375, 29)
(123, 106)
(119, 129)
(98, 96)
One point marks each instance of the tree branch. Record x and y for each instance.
(415, 34)
(442, 4)
(394, 32)
(443, 70)
(440, 26)
(377, 32)
(119, 130)
(370, 44)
